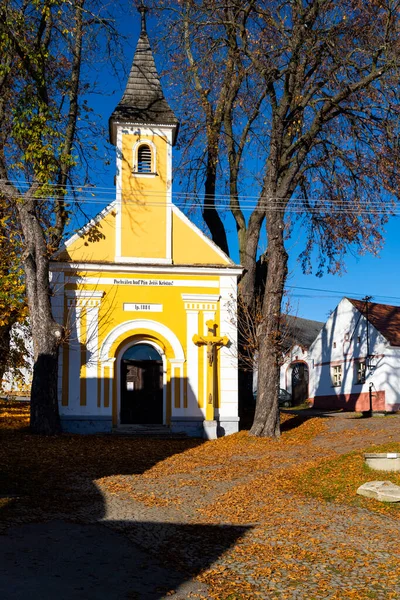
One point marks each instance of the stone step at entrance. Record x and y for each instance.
(148, 431)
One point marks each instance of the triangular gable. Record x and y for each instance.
(96, 242)
(384, 317)
(191, 246)
(337, 326)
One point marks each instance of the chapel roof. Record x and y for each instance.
(143, 101)
(298, 331)
(384, 317)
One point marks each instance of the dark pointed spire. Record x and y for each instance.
(143, 101)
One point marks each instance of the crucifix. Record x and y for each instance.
(212, 341)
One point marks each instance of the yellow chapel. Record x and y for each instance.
(148, 300)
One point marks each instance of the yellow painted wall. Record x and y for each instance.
(189, 248)
(98, 245)
(112, 314)
(144, 210)
(144, 223)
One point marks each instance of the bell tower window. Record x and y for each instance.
(144, 159)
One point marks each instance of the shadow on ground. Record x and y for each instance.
(56, 542)
(64, 560)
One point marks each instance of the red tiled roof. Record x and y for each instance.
(385, 318)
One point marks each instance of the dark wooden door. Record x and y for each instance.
(141, 391)
(299, 383)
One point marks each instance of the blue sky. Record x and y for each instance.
(310, 296)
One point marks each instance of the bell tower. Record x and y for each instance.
(143, 128)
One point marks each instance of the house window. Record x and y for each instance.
(337, 375)
(144, 159)
(360, 372)
(346, 337)
(334, 344)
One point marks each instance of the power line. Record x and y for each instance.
(106, 190)
(290, 207)
(340, 293)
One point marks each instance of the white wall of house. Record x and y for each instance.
(340, 346)
(18, 379)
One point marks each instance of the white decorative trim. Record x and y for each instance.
(149, 268)
(135, 259)
(88, 298)
(177, 361)
(132, 128)
(168, 232)
(177, 364)
(135, 149)
(228, 359)
(200, 297)
(198, 231)
(129, 327)
(145, 175)
(201, 301)
(201, 306)
(118, 220)
(84, 294)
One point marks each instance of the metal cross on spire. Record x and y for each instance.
(143, 10)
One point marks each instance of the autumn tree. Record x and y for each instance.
(43, 48)
(13, 308)
(323, 76)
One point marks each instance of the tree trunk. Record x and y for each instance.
(45, 417)
(248, 254)
(266, 420)
(210, 213)
(5, 337)
(46, 333)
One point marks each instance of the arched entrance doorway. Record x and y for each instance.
(299, 383)
(141, 385)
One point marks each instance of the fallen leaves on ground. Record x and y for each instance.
(276, 536)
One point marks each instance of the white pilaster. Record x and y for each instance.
(228, 355)
(118, 192)
(78, 300)
(57, 307)
(177, 365)
(92, 356)
(74, 351)
(192, 323)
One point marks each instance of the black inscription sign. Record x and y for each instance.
(146, 282)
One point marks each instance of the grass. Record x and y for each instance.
(337, 480)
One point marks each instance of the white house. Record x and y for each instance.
(298, 335)
(17, 378)
(355, 359)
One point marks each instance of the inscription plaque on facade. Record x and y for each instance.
(143, 307)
